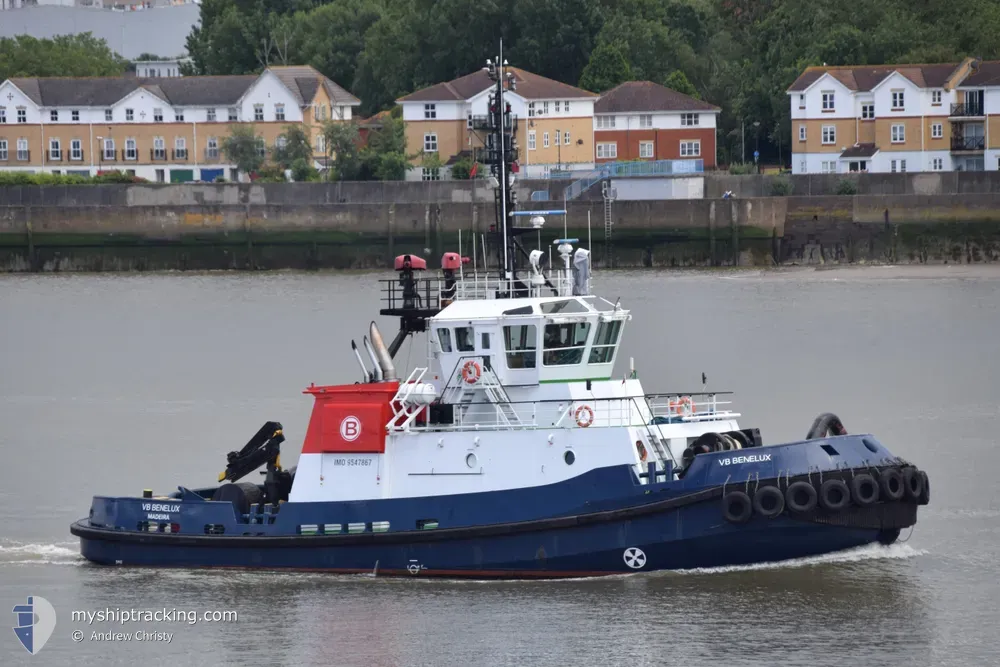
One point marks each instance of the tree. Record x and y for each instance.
(384, 156)
(243, 148)
(677, 81)
(293, 145)
(66, 55)
(342, 144)
(607, 68)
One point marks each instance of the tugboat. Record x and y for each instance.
(515, 452)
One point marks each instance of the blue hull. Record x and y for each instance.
(603, 522)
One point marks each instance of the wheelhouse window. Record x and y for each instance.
(605, 341)
(465, 339)
(520, 341)
(444, 337)
(564, 343)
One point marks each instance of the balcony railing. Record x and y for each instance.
(158, 154)
(967, 110)
(211, 155)
(180, 154)
(109, 155)
(968, 143)
(24, 156)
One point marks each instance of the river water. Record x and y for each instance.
(111, 384)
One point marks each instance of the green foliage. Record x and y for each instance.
(608, 66)
(846, 187)
(742, 168)
(462, 169)
(781, 187)
(302, 171)
(342, 141)
(297, 146)
(26, 178)
(65, 55)
(242, 148)
(677, 81)
(271, 173)
(384, 156)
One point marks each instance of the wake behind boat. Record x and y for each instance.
(514, 451)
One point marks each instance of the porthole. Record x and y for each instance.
(569, 457)
(470, 460)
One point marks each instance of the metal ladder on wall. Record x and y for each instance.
(609, 194)
(463, 394)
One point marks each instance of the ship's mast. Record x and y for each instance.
(501, 154)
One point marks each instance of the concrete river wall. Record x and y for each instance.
(363, 225)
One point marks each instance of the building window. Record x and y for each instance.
(108, 115)
(129, 115)
(161, 176)
(54, 115)
(210, 115)
(258, 112)
(131, 153)
(555, 138)
(802, 102)
(430, 143)
(109, 149)
(897, 100)
(897, 165)
(828, 167)
(557, 106)
(545, 139)
(520, 342)
(936, 97)
(605, 122)
(55, 151)
(157, 115)
(261, 147)
(937, 164)
(898, 133)
(937, 130)
(279, 112)
(545, 108)
(646, 120)
(3, 114)
(212, 148)
(430, 174)
(3, 150)
(281, 143)
(645, 149)
(180, 148)
(802, 132)
(690, 148)
(566, 106)
(22, 150)
(75, 115)
(22, 115)
(234, 114)
(321, 144)
(607, 151)
(430, 111)
(159, 149)
(828, 100)
(867, 111)
(179, 116)
(531, 109)
(531, 140)
(829, 134)
(566, 138)
(75, 150)
(689, 119)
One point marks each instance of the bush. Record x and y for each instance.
(781, 187)
(846, 187)
(26, 178)
(742, 168)
(302, 171)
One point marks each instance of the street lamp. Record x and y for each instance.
(756, 150)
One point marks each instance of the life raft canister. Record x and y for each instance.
(584, 416)
(471, 372)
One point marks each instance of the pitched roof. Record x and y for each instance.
(863, 78)
(860, 150)
(986, 73)
(528, 85)
(635, 96)
(304, 81)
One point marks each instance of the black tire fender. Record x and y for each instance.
(890, 482)
(768, 501)
(736, 507)
(864, 490)
(834, 495)
(925, 496)
(913, 483)
(801, 497)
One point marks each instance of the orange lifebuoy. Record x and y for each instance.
(471, 372)
(584, 416)
(641, 449)
(683, 405)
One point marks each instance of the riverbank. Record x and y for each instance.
(311, 226)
